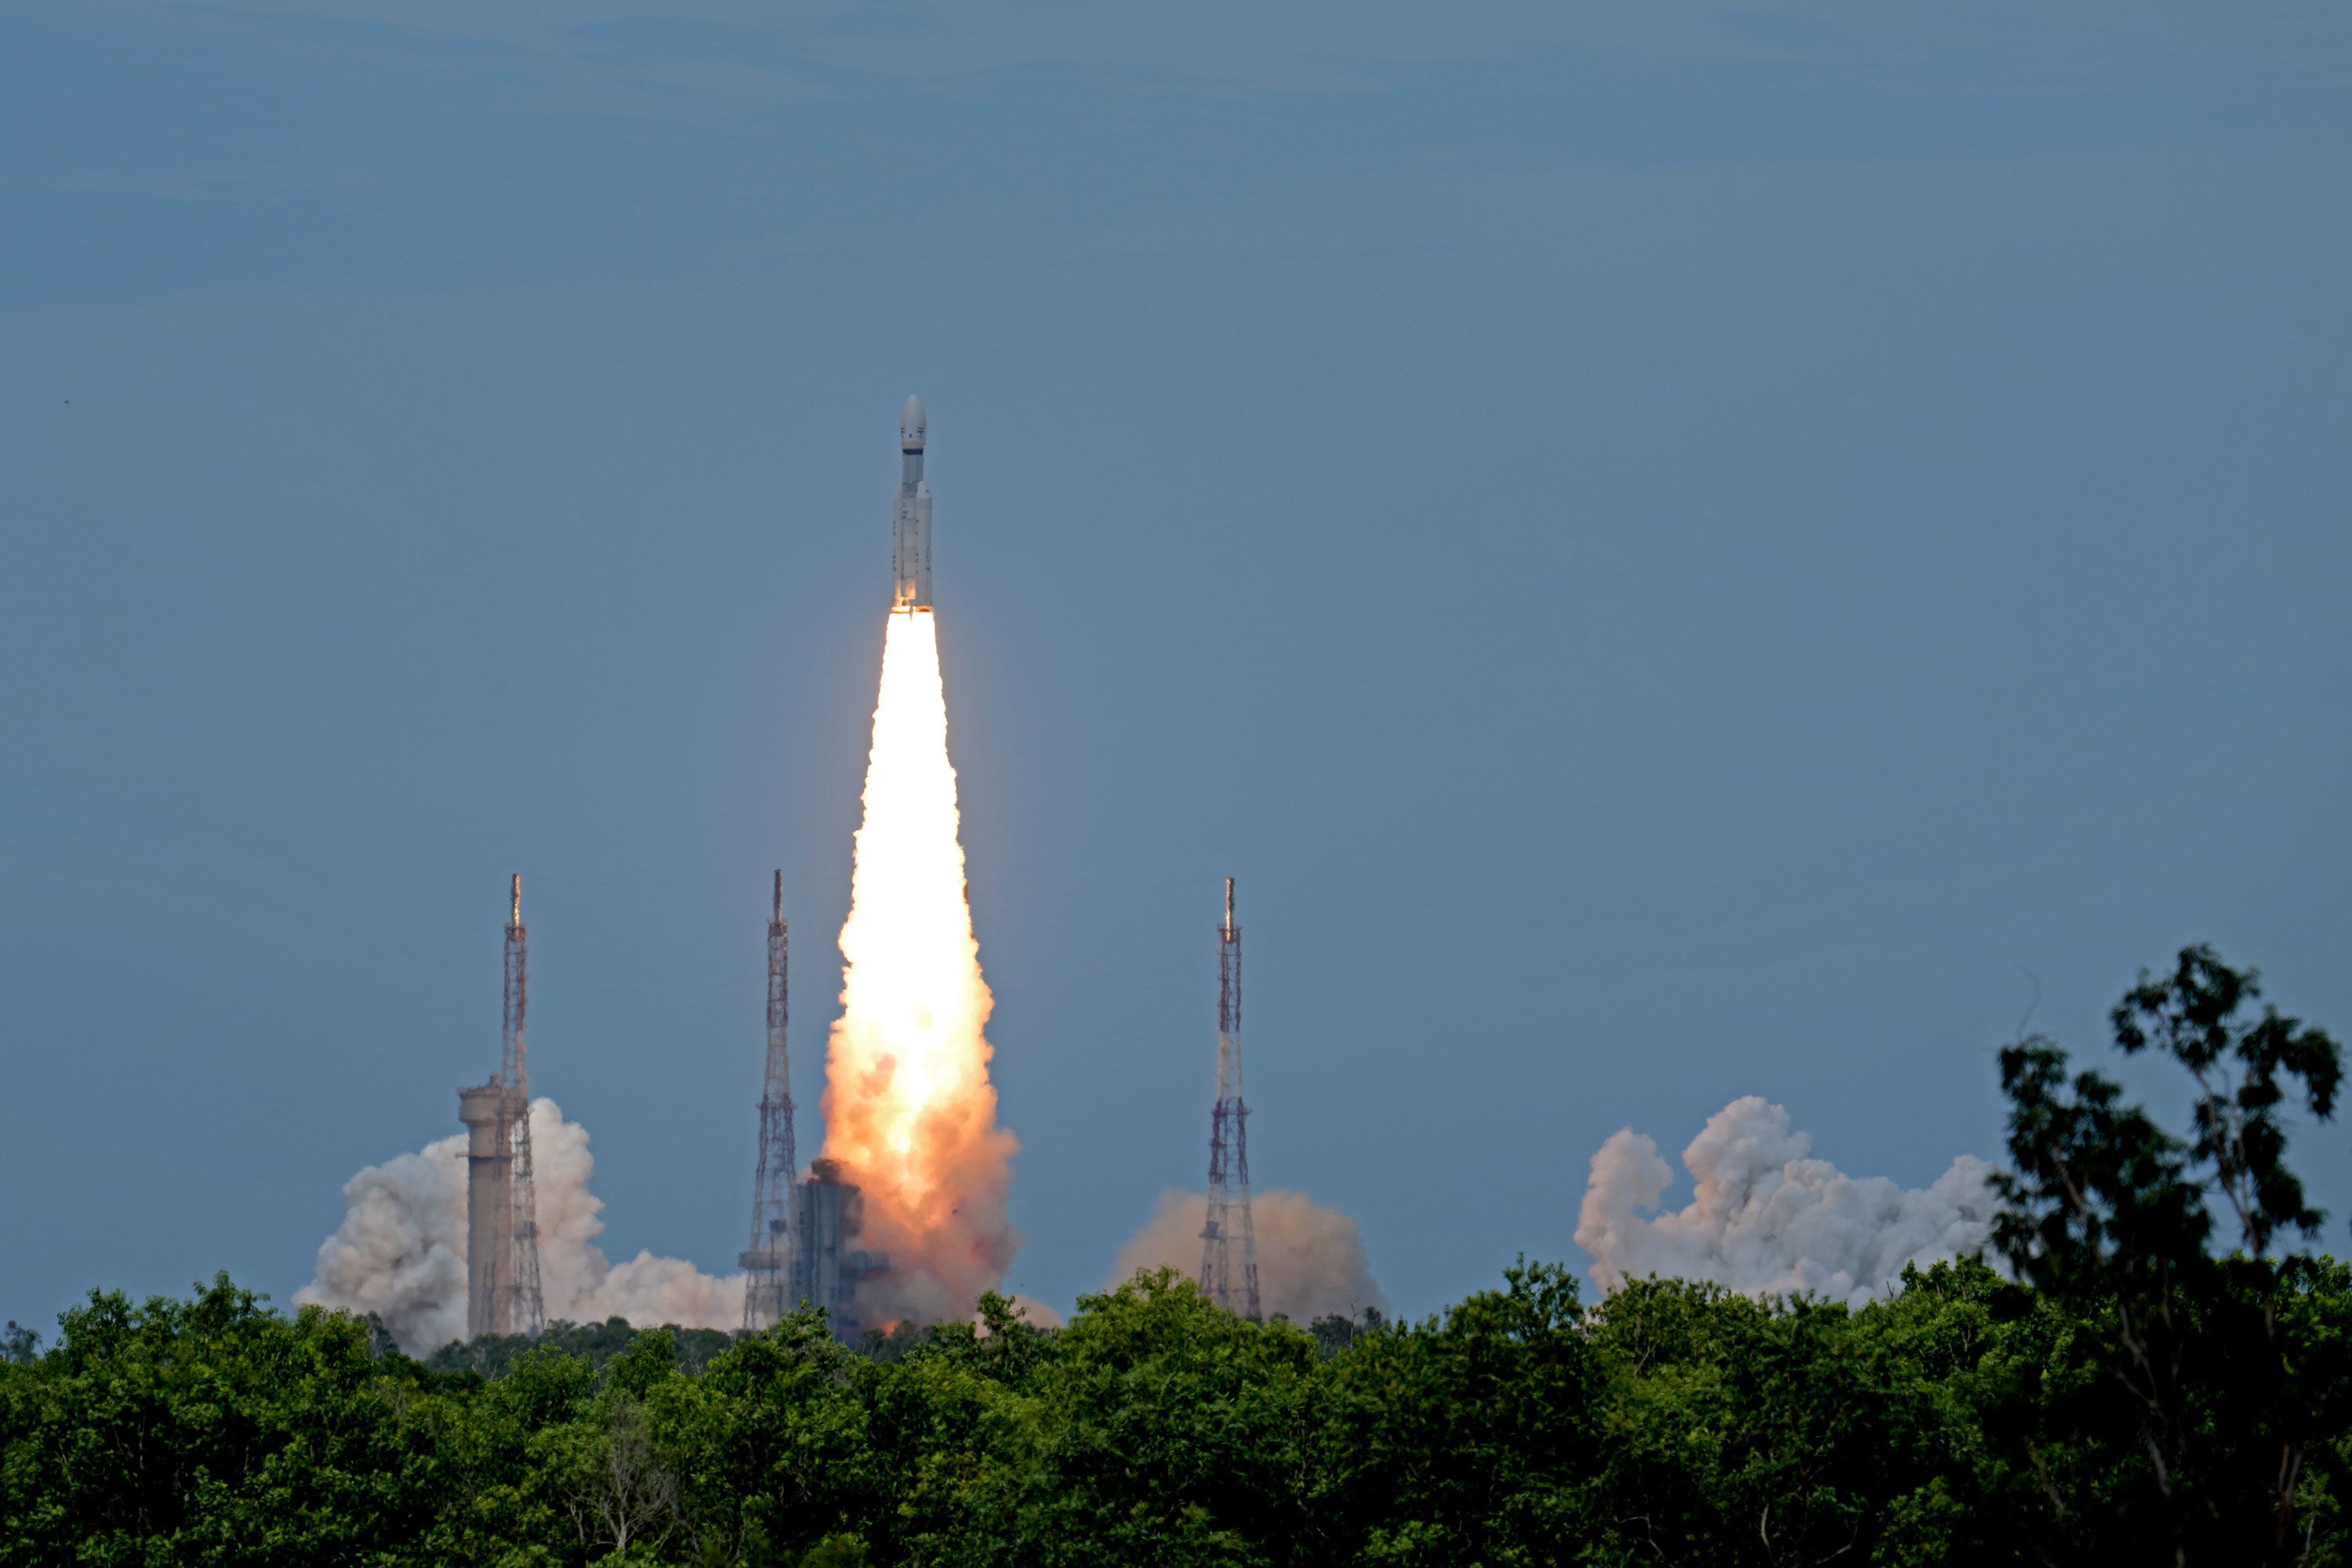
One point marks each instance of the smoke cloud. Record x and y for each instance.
(1029, 1309)
(1310, 1258)
(1767, 1218)
(399, 1252)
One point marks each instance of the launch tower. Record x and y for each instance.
(769, 1289)
(1229, 1238)
(828, 1266)
(502, 1293)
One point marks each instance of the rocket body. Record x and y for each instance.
(910, 516)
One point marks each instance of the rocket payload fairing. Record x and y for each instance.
(910, 518)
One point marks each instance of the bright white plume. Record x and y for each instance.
(908, 1108)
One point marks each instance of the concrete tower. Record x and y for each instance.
(502, 1293)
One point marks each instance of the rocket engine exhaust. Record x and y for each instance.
(909, 1113)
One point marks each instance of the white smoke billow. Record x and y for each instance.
(1767, 1218)
(1310, 1258)
(399, 1252)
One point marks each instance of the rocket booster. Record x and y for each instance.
(910, 518)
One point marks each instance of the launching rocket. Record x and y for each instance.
(910, 518)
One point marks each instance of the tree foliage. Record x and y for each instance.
(2203, 1387)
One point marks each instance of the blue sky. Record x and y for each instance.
(1674, 554)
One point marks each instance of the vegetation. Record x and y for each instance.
(2120, 1393)
(494, 1355)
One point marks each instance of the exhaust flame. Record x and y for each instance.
(909, 1108)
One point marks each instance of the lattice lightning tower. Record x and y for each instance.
(528, 1313)
(768, 1262)
(1229, 1190)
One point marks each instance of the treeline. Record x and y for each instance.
(2120, 1391)
(494, 1355)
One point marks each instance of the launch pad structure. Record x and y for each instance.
(830, 1267)
(803, 1231)
(502, 1290)
(1229, 1236)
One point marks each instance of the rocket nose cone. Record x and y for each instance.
(910, 424)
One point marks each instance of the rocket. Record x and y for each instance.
(910, 518)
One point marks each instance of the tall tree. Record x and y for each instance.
(2193, 1381)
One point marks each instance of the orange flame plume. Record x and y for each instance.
(909, 1108)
